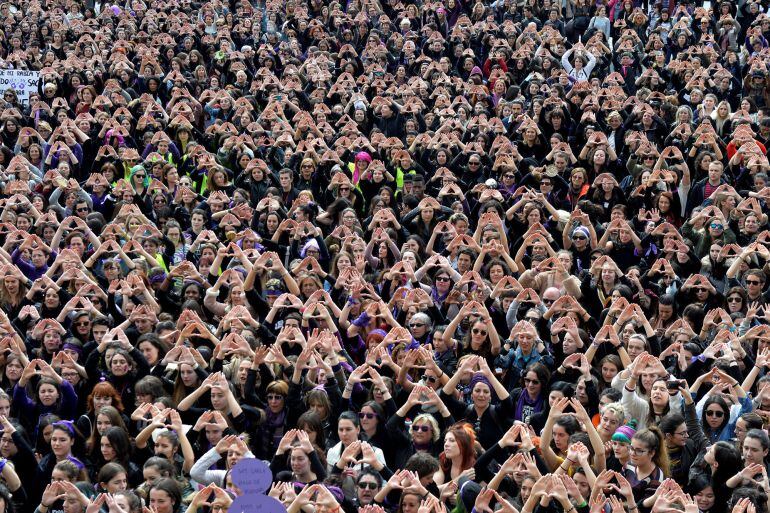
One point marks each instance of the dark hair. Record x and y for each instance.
(120, 443)
(568, 389)
(150, 385)
(351, 416)
(171, 487)
(670, 423)
(163, 465)
(543, 375)
(314, 422)
(423, 463)
(370, 472)
(613, 393)
(715, 399)
(109, 471)
(761, 435)
(752, 420)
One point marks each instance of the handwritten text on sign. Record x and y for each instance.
(22, 81)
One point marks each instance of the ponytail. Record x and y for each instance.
(653, 438)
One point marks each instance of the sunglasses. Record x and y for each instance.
(423, 428)
(140, 176)
(82, 209)
(509, 177)
(715, 413)
(429, 379)
(274, 397)
(442, 278)
(528, 381)
(474, 163)
(370, 416)
(84, 323)
(734, 300)
(477, 331)
(371, 486)
(344, 188)
(753, 282)
(416, 325)
(579, 237)
(716, 226)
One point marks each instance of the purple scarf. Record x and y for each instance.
(526, 407)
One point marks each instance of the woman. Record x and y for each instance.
(112, 478)
(122, 369)
(489, 419)
(481, 339)
(649, 410)
(302, 463)
(165, 496)
(423, 435)
(719, 418)
(242, 418)
(529, 398)
(684, 438)
(718, 465)
(234, 449)
(102, 395)
(348, 432)
(53, 394)
(63, 437)
(106, 417)
(276, 414)
(649, 461)
(459, 454)
(115, 447)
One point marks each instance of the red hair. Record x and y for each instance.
(466, 441)
(105, 389)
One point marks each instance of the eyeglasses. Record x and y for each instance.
(734, 299)
(636, 450)
(528, 381)
(371, 486)
(416, 325)
(683, 434)
(716, 226)
(370, 416)
(274, 397)
(424, 428)
(477, 331)
(715, 413)
(753, 282)
(442, 278)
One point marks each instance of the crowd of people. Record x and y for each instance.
(418, 257)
